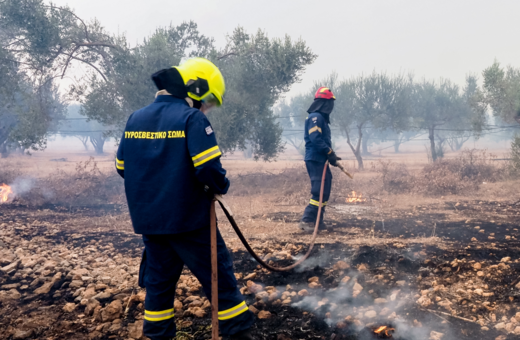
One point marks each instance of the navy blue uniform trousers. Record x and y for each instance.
(315, 171)
(163, 261)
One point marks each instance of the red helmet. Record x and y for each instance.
(324, 93)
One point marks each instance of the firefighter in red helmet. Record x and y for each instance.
(318, 149)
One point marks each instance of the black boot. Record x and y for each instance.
(242, 335)
(306, 226)
(309, 226)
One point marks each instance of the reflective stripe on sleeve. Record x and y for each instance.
(233, 312)
(316, 128)
(158, 316)
(207, 155)
(317, 203)
(120, 164)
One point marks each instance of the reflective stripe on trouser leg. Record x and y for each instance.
(315, 171)
(317, 203)
(233, 312)
(158, 315)
(160, 275)
(194, 249)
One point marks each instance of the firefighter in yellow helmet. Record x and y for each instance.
(170, 161)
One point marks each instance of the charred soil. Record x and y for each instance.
(448, 270)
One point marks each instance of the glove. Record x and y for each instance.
(333, 159)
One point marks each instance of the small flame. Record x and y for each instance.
(5, 190)
(355, 198)
(385, 331)
(380, 329)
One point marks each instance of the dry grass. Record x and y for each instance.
(258, 189)
(9, 171)
(461, 175)
(85, 186)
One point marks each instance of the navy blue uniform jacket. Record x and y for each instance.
(317, 138)
(170, 161)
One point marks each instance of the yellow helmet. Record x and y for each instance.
(203, 80)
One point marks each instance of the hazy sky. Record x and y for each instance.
(432, 39)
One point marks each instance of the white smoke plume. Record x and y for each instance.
(22, 185)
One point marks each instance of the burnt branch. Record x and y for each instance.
(227, 55)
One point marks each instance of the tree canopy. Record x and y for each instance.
(501, 91)
(48, 42)
(28, 108)
(376, 101)
(258, 71)
(383, 107)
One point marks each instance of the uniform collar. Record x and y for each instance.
(171, 99)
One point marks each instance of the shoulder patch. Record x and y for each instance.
(314, 119)
(209, 130)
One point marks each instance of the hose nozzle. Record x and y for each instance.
(345, 171)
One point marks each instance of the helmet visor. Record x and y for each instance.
(210, 100)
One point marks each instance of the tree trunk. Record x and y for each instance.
(364, 144)
(248, 151)
(359, 159)
(356, 150)
(397, 144)
(4, 151)
(459, 142)
(451, 143)
(98, 141)
(432, 143)
(84, 141)
(297, 144)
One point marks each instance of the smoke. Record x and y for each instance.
(317, 260)
(31, 188)
(47, 193)
(325, 301)
(87, 185)
(340, 305)
(22, 185)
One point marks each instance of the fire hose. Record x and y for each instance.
(229, 215)
(231, 219)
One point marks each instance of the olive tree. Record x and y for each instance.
(377, 101)
(40, 43)
(28, 109)
(442, 106)
(47, 41)
(501, 91)
(258, 71)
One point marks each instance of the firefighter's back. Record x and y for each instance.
(164, 195)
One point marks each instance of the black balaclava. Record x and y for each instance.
(323, 106)
(171, 80)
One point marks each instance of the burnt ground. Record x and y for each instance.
(461, 281)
